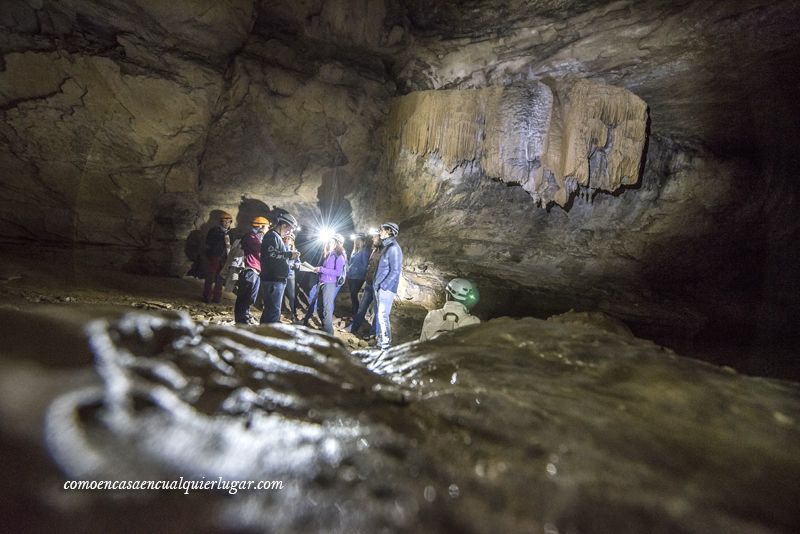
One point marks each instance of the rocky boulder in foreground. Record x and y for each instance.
(512, 425)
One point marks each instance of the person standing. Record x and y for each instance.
(387, 280)
(357, 271)
(461, 296)
(291, 287)
(218, 244)
(369, 293)
(275, 256)
(249, 278)
(334, 258)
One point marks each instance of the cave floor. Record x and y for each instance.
(30, 278)
(27, 282)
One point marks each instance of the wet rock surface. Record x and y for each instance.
(513, 424)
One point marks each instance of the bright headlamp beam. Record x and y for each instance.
(326, 234)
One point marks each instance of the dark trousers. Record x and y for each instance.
(213, 278)
(312, 303)
(355, 287)
(273, 296)
(363, 307)
(291, 296)
(246, 295)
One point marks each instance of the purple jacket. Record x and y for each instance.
(331, 268)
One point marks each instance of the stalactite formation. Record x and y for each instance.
(549, 140)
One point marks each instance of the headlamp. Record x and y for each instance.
(326, 234)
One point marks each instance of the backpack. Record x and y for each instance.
(233, 265)
(342, 277)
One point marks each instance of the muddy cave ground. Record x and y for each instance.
(34, 277)
(50, 277)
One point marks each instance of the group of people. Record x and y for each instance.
(270, 261)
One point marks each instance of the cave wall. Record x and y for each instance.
(126, 125)
(692, 224)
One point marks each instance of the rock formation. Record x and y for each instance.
(550, 144)
(514, 424)
(659, 135)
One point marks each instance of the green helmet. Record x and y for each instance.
(463, 291)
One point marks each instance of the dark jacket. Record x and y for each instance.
(217, 243)
(372, 265)
(251, 246)
(357, 266)
(390, 266)
(274, 253)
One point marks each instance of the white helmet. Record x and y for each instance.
(463, 291)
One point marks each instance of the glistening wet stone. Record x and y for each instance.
(511, 425)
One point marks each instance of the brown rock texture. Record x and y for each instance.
(518, 135)
(659, 135)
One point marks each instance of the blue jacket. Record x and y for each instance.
(357, 268)
(390, 266)
(274, 253)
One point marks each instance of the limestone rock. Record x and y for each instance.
(588, 135)
(90, 146)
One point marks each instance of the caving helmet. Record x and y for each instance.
(287, 219)
(339, 238)
(259, 221)
(463, 291)
(392, 227)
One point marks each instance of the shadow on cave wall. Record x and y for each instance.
(194, 245)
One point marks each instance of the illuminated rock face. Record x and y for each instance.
(586, 135)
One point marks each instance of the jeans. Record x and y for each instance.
(363, 306)
(385, 299)
(313, 301)
(273, 296)
(291, 296)
(355, 287)
(313, 296)
(329, 292)
(246, 295)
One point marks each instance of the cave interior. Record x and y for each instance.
(635, 158)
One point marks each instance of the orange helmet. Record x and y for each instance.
(259, 221)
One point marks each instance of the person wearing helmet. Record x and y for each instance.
(357, 269)
(218, 244)
(387, 280)
(461, 296)
(368, 297)
(334, 259)
(291, 287)
(250, 277)
(275, 258)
